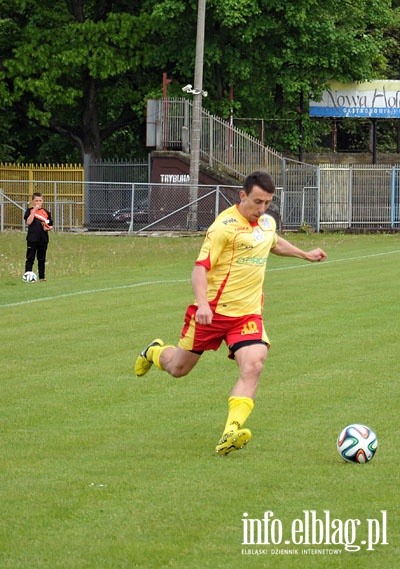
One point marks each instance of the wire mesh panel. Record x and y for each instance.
(117, 171)
(300, 195)
(371, 196)
(171, 206)
(335, 196)
(112, 205)
(395, 198)
(153, 207)
(63, 198)
(320, 197)
(356, 196)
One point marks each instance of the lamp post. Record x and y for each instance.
(196, 117)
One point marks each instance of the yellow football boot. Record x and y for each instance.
(143, 361)
(235, 439)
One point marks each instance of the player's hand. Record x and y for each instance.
(204, 314)
(316, 255)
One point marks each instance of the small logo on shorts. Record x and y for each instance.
(249, 328)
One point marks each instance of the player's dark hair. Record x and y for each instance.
(259, 178)
(36, 195)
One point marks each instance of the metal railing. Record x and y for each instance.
(222, 146)
(359, 196)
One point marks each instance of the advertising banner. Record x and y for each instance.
(372, 99)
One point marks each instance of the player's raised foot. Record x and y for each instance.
(233, 440)
(143, 361)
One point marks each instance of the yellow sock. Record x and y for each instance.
(239, 409)
(154, 354)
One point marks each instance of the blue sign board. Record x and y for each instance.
(374, 99)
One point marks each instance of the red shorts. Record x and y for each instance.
(233, 330)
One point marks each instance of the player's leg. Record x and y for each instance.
(30, 256)
(41, 259)
(250, 360)
(176, 361)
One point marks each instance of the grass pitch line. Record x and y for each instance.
(90, 291)
(335, 261)
(147, 283)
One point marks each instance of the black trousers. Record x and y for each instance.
(36, 249)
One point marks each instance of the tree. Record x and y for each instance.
(78, 73)
(275, 55)
(74, 67)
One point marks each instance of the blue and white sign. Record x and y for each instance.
(372, 99)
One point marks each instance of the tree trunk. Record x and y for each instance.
(91, 141)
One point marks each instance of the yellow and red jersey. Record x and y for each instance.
(235, 253)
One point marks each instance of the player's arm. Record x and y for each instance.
(31, 216)
(286, 249)
(47, 225)
(199, 284)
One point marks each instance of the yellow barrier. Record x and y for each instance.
(58, 183)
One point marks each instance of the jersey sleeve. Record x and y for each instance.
(212, 247)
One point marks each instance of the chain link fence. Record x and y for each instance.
(155, 207)
(325, 197)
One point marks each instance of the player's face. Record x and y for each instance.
(37, 200)
(255, 204)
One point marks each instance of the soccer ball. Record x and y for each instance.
(357, 443)
(29, 277)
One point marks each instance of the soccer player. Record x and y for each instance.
(39, 224)
(227, 282)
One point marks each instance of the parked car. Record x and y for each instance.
(140, 213)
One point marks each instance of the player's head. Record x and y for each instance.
(256, 196)
(261, 179)
(37, 198)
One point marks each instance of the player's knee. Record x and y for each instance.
(254, 368)
(178, 370)
(181, 363)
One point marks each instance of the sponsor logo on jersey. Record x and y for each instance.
(258, 234)
(252, 261)
(264, 222)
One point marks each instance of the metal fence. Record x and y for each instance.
(63, 199)
(65, 188)
(340, 196)
(117, 170)
(135, 207)
(161, 207)
(395, 198)
(299, 201)
(359, 196)
(325, 197)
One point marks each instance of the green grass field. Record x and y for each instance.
(102, 470)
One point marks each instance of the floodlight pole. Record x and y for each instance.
(196, 117)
